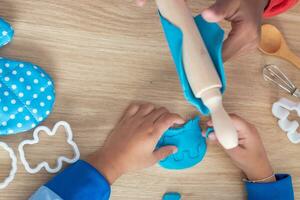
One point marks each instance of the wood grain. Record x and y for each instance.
(104, 54)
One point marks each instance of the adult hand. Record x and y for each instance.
(250, 155)
(245, 17)
(131, 145)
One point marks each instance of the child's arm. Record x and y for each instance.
(250, 156)
(130, 146)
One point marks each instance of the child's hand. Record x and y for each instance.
(245, 17)
(250, 156)
(131, 145)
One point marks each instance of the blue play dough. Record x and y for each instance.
(172, 196)
(209, 131)
(191, 145)
(6, 32)
(213, 36)
(26, 92)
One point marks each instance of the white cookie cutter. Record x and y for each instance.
(13, 170)
(60, 160)
(281, 109)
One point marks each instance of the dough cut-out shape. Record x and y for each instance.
(13, 170)
(60, 160)
(6, 32)
(281, 110)
(190, 143)
(172, 196)
(27, 92)
(212, 36)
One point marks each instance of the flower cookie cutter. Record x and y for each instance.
(60, 160)
(13, 170)
(281, 110)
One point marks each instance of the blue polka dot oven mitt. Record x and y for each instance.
(27, 92)
(6, 32)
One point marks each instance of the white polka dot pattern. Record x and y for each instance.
(6, 33)
(26, 96)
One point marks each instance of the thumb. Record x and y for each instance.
(220, 10)
(164, 152)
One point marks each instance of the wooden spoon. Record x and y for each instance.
(273, 43)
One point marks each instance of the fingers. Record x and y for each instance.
(233, 153)
(244, 129)
(243, 37)
(140, 2)
(152, 120)
(145, 109)
(164, 152)
(156, 114)
(167, 120)
(211, 137)
(140, 110)
(220, 10)
(131, 110)
(239, 123)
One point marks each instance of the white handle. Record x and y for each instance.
(224, 129)
(223, 126)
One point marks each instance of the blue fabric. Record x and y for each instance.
(79, 182)
(213, 36)
(172, 196)
(26, 91)
(190, 143)
(44, 193)
(6, 32)
(282, 189)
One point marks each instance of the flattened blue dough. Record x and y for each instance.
(213, 36)
(26, 96)
(26, 91)
(190, 143)
(6, 32)
(172, 196)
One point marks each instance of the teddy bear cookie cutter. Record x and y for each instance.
(13, 170)
(60, 159)
(281, 110)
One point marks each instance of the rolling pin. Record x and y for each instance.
(200, 70)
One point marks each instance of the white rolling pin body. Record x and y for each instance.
(200, 70)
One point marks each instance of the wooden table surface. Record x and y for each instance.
(105, 54)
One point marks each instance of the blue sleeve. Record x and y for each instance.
(80, 181)
(282, 189)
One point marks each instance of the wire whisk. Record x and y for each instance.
(274, 74)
